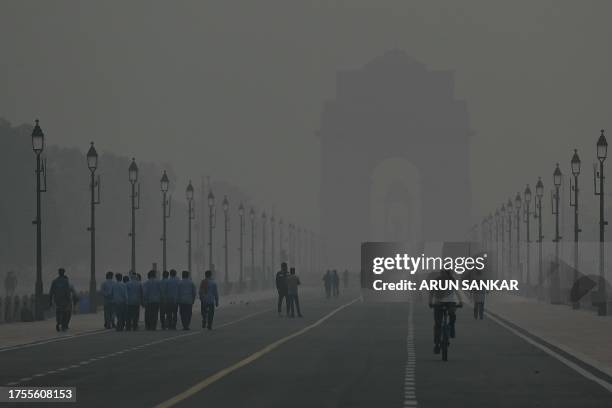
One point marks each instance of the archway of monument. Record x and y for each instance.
(395, 201)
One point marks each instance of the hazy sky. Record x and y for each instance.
(234, 89)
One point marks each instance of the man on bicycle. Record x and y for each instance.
(440, 298)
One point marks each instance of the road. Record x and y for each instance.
(345, 352)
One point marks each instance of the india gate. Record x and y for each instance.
(394, 157)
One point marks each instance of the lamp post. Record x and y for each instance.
(252, 216)
(92, 164)
(272, 246)
(298, 247)
(38, 145)
(164, 183)
(190, 217)
(483, 233)
(555, 282)
(263, 247)
(281, 241)
(575, 164)
(502, 216)
(490, 223)
(291, 246)
(602, 153)
(241, 249)
(509, 209)
(225, 247)
(538, 215)
(497, 252)
(527, 215)
(517, 206)
(135, 204)
(211, 226)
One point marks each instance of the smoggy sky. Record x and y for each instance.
(234, 89)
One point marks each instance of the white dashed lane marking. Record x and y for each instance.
(410, 399)
(118, 353)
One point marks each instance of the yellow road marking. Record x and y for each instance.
(258, 354)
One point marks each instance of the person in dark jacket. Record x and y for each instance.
(64, 296)
(134, 292)
(281, 288)
(171, 300)
(120, 301)
(327, 282)
(209, 299)
(293, 281)
(335, 284)
(151, 295)
(107, 293)
(163, 309)
(186, 299)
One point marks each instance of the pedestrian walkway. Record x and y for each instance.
(21, 333)
(580, 333)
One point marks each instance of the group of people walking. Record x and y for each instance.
(164, 299)
(331, 282)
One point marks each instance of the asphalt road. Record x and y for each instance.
(342, 354)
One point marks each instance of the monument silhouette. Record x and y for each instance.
(394, 157)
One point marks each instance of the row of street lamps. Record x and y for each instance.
(38, 143)
(512, 208)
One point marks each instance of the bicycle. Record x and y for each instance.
(445, 333)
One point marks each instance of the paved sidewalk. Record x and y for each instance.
(580, 333)
(21, 333)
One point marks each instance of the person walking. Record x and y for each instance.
(293, 281)
(171, 300)
(163, 309)
(327, 282)
(281, 288)
(151, 296)
(134, 292)
(64, 296)
(209, 299)
(120, 301)
(186, 299)
(335, 284)
(107, 293)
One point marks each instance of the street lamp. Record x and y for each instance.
(509, 207)
(517, 207)
(190, 217)
(298, 247)
(502, 217)
(497, 252)
(94, 185)
(252, 217)
(225, 228)
(211, 226)
(538, 215)
(241, 249)
(38, 145)
(263, 246)
(291, 245)
(166, 208)
(135, 205)
(281, 241)
(575, 164)
(527, 215)
(602, 153)
(272, 246)
(555, 282)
